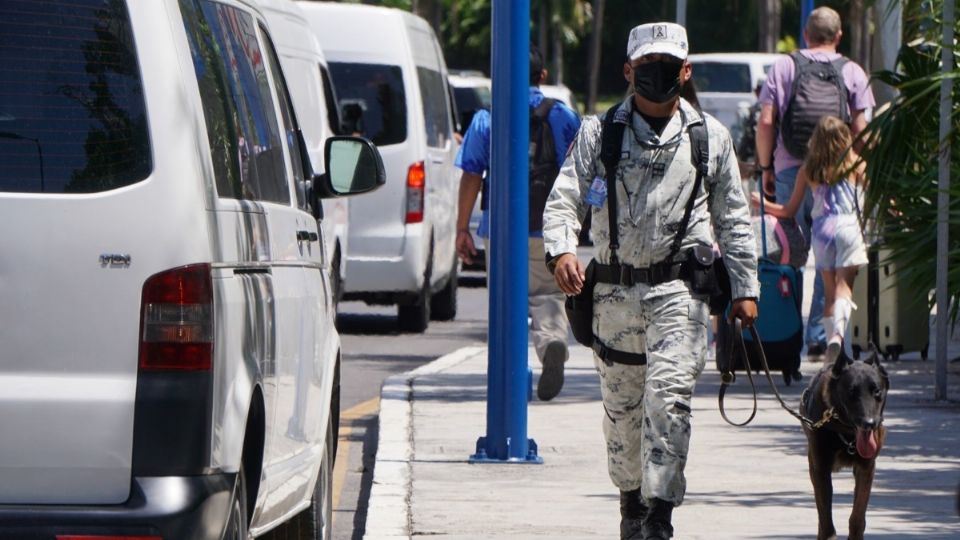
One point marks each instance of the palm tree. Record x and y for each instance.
(768, 20)
(596, 42)
(859, 16)
(566, 21)
(902, 146)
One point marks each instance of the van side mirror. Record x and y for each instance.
(354, 166)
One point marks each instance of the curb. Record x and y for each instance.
(388, 510)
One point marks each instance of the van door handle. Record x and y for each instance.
(438, 161)
(307, 236)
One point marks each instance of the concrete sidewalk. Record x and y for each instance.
(742, 482)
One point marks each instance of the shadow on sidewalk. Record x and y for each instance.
(916, 474)
(580, 385)
(378, 324)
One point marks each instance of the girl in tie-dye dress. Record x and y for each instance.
(835, 174)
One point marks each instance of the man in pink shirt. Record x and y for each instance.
(822, 33)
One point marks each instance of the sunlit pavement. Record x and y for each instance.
(742, 482)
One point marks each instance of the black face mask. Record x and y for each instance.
(657, 81)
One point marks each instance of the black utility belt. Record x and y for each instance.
(626, 275)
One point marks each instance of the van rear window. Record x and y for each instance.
(372, 101)
(72, 115)
(722, 77)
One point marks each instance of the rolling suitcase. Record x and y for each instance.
(889, 316)
(780, 324)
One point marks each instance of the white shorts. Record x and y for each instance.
(837, 242)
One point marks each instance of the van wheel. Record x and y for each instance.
(316, 522)
(443, 305)
(237, 522)
(414, 318)
(322, 505)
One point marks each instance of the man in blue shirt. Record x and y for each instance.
(548, 327)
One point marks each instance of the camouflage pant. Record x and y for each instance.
(647, 424)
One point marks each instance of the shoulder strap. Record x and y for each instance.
(700, 154)
(543, 109)
(842, 88)
(799, 59)
(839, 63)
(611, 143)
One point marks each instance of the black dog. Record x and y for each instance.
(853, 395)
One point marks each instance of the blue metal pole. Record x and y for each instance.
(507, 374)
(806, 6)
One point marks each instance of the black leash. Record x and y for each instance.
(728, 377)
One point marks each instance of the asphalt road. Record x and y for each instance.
(373, 349)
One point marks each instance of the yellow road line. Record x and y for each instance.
(363, 409)
(343, 448)
(340, 468)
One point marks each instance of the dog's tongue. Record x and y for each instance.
(866, 443)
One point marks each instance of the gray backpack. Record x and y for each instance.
(818, 90)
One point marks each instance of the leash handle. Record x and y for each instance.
(758, 345)
(728, 377)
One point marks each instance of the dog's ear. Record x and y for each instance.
(880, 369)
(839, 364)
(873, 358)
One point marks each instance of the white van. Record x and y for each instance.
(391, 82)
(169, 362)
(315, 101)
(725, 83)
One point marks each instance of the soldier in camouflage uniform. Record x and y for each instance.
(647, 423)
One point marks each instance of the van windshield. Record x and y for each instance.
(722, 77)
(72, 115)
(372, 101)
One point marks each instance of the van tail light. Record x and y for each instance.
(416, 184)
(176, 321)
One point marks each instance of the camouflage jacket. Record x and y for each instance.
(655, 178)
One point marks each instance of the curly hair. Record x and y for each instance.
(828, 151)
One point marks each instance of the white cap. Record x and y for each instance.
(658, 38)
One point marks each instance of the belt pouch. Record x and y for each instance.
(708, 277)
(579, 309)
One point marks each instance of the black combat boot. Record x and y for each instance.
(632, 513)
(657, 525)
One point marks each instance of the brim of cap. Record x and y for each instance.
(659, 48)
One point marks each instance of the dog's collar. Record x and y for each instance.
(851, 446)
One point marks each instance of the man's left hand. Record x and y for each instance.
(744, 309)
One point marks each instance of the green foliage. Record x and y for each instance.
(787, 45)
(466, 34)
(571, 18)
(902, 155)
